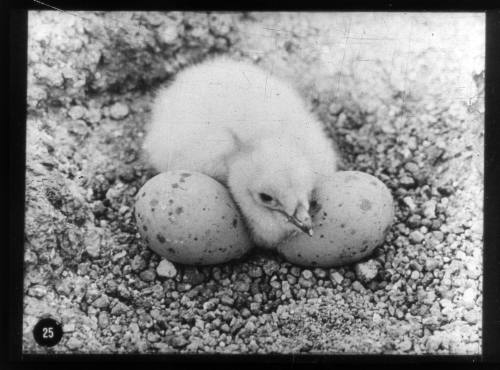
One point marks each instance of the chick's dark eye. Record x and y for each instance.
(314, 207)
(265, 197)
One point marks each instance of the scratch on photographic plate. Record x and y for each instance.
(346, 35)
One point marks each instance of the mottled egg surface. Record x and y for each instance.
(190, 218)
(355, 212)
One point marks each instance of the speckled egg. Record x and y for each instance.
(355, 213)
(190, 218)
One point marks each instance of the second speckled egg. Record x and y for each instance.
(356, 212)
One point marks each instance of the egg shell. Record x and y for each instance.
(190, 218)
(356, 212)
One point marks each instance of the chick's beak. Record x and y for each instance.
(302, 220)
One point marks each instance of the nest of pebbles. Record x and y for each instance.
(420, 292)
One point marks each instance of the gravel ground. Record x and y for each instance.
(401, 95)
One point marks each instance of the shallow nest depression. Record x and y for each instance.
(402, 97)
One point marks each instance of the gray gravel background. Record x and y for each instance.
(401, 95)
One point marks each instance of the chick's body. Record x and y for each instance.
(251, 131)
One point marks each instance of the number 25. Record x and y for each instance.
(48, 333)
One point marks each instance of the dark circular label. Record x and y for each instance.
(47, 332)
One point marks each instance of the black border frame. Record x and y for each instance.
(13, 274)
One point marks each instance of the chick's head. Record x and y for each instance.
(274, 187)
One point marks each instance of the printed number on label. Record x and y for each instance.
(48, 333)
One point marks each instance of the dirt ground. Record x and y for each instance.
(400, 94)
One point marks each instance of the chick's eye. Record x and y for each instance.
(265, 197)
(314, 207)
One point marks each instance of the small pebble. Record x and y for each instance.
(336, 277)
(115, 328)
(446, 190)
(335, 109)
(275, 284)
(320, 273)
(471, 316)
(407, 181)
(445, 303)
(210, 305)
(431, 264)
(184, 287)
(468, 298)
(245, 313)
(38, 291)
(78, 127)
(98, 208)
(103, 319)
(357, 286)
(147, 275)
(295, 271)
(414, 221)
(168, 33)
(438, 235)
(250, 327)
(101, 302)
(93, 244)
(178, 342)
(118, 111)
(416, 237)
(241, 286)
(366, 271)
(137, 263)
(93, 115)
(153, 337)
(433, 342)
(307, 274)
(119, 308)
(412, 168)
(429, 209)
(110, 175)
(415, 266)
(166, 269)
(255, 271)
(255, 307)
(410, 203)
(76, 112)
(436, 224)
(193, 276)
(74, 343)
(305, 283)
(405, 345)
(227, 300)
(126, 174)
(270, 267)
(415, 275)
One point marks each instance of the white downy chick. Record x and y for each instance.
(251, 131)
